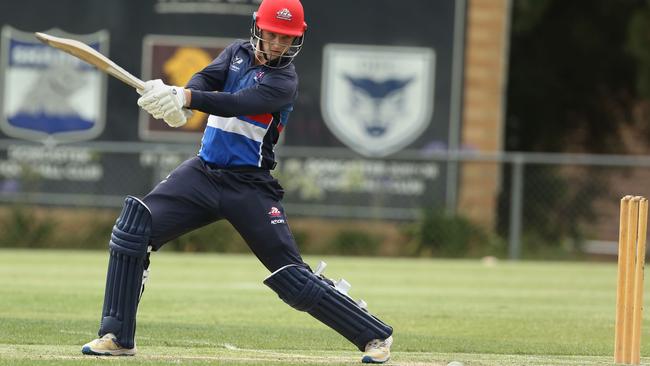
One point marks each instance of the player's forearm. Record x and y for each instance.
(232, 105)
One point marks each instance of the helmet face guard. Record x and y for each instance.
(274, 60)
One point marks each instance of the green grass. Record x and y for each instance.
(214, 309)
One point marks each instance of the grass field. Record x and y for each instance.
(214, 309)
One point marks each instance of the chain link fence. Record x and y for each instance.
(567, 200)
(541, 201)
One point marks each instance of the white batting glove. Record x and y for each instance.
(159, 99)
(172, 99)
(177, 118)
(147, 101)
(150, 85)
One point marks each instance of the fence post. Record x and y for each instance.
(516, 204)
(451, 196)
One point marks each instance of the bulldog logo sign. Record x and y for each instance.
(376, 99)
(47, 95)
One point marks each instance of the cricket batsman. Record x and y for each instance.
(248, 92)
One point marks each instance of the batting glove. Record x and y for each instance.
(177, 118)
(159, 99)
(150, 85)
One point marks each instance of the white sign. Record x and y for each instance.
(377, 99)
(47, 95)
(233, 7)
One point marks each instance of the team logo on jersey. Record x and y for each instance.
(377, 100)
(284, 14)
(258, 76)
(276, 216)
(275, 212)
(236, 61)
(47, 95)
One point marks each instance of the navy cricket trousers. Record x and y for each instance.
(195, 195)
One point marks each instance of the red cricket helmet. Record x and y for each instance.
(281, 16)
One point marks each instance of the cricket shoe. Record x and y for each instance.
(106, 346)
(377, 351)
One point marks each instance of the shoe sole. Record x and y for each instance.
(368, 359)
(89, 351)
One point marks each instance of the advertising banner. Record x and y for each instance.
(380, 86)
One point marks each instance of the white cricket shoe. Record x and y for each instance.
(106, 346)
(377, 350)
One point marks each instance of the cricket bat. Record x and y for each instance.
(91, 56)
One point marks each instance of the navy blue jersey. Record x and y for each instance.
(248, 106)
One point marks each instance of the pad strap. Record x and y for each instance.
(303, 290)
(128, 252)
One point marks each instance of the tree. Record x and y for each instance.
(578, 70)
(573, 73)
